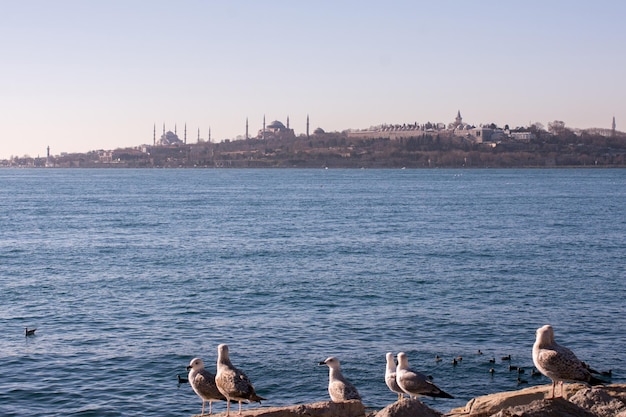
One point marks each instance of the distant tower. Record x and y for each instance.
(154, 136)
(164, 128)
(209, 139)
(307, 126)
(185, 133)
(287, 122)
(613, 127)
(175, 128)
(198, 135)
(459, 120)
(48, 152)
(247, 137)
(263, 134)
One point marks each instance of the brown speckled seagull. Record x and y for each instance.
(203, 384)
(339, 388)
(558, 362)
(233, 383)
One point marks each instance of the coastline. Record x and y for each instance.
(578, 400)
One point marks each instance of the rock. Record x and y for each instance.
(601, 401)
(408, 408)
(321, 409)
(488, 405)
(557, 407)
(578, 401)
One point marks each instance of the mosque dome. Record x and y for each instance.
(276, 125)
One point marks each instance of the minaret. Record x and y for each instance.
(185, 133)
(263, 134)
(287, 122)
(48, 152)
(154, 136)
(163, 129)
(459, 119)
(247, 137)
(307, 126)
(209, 134)
(174, 128)
(613, 127)
(198, 135)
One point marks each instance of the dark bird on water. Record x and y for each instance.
(181, 380)
(29, 332)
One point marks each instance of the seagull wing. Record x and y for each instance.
(561, 363)
(203, 383)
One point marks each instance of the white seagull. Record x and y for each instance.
(390, 376)
(415, 383)
(339, 388)
(203, 384)
(558, 362)
(233, 383)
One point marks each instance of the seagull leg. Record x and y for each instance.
(203, 401)
(553, 386)
(210, 407)
(227, 407)
(239, 407)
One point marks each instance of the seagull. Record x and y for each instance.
(203, 384)
(29, 332)
(558, 362)
(339, 388)
(181, 380)
(390, 376)
(233, 383)
(415, 383)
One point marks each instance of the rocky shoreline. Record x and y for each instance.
(578, 401)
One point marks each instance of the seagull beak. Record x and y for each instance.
(189, 367)
(322, 363)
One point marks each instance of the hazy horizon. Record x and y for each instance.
(83, 76)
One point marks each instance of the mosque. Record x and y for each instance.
(275, 130)
(168, 138)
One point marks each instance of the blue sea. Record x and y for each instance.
(129, 274)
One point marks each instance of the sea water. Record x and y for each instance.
(129, 274)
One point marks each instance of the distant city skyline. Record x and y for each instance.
(83, 76)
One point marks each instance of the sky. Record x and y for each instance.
(83, 75)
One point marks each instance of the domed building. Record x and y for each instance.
(276, 129)
(169, 138)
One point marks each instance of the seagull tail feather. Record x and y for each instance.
(257, 398)
(442, 394)
(596, 381)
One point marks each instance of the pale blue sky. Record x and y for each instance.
(82, 75)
